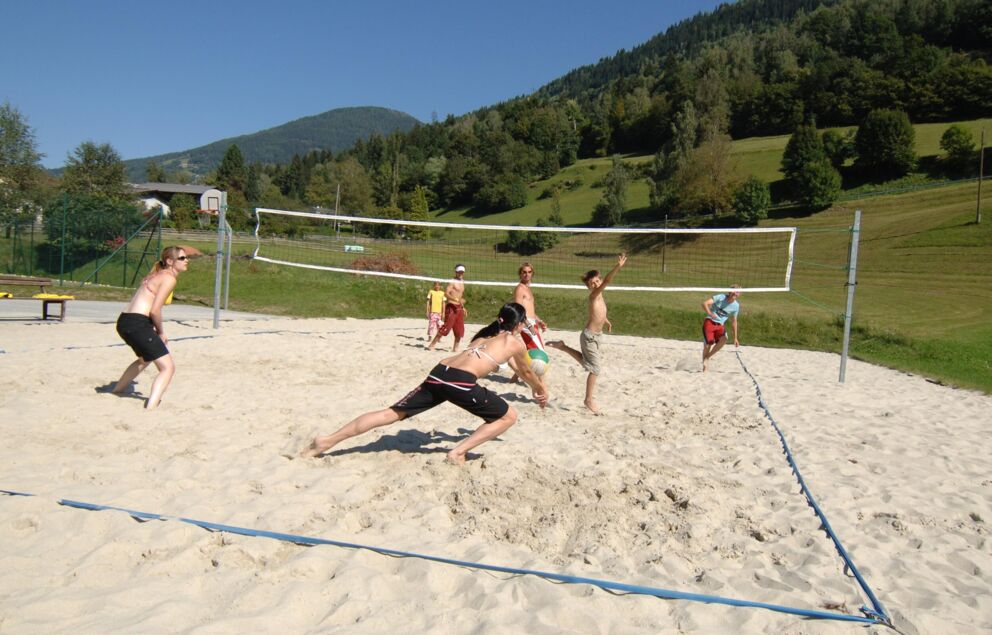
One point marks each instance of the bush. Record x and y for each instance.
(386, 263)
(837, 147)
(528, 243)
(751, 201)
(818, 185)
(959, 145)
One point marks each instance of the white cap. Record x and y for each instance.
(459, 268)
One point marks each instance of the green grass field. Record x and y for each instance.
(923, 300)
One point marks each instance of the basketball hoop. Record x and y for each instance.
(211, 212)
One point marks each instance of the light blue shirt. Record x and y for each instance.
(723, 309)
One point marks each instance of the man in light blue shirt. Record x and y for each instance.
(719, 309)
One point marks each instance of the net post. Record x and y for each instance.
(852, 270)
(219, 272)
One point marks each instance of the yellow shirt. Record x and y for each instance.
(437, 300)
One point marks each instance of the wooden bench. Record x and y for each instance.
(41, 283)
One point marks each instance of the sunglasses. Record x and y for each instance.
(183, 258)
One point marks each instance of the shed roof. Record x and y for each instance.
(171, 188)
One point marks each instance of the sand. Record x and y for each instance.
(682, 485)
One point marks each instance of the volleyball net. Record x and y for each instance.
(757, 259)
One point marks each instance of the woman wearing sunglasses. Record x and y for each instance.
(140, 324)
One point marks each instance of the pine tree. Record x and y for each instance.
(232, 174)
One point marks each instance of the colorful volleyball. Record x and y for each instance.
(538, 361)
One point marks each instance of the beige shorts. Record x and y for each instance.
(591, 357)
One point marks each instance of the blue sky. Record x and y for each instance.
(151, 78)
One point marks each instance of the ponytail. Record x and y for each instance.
(509, 316)
(167, 254)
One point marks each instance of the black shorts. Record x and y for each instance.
(457, 386)
(138, 332)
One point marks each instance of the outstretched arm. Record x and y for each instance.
(621, 261)
(523, 370)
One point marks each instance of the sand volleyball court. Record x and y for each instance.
(681, 485)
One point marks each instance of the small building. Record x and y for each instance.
(154, 195)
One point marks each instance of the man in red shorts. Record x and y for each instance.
(719, 309)
(454, 310)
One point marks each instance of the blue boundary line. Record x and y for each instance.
(878, 611)
(607, 585)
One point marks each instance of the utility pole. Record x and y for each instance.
(981, 173)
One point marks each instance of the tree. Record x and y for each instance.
(610, 210)
(751, 201)
(804, 147)
(502, 194)
(20, 172)
(959, 145)
(253, 185)
(232, 173)
(155, 174)
(418, 212)
(181, 209)
(93, 224)
(556, 219)
(96, 170)
(706, 184)
(885, 144)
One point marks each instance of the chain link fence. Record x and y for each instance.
(82, 240)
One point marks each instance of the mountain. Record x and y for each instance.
(334, 130)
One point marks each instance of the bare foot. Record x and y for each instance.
(455, 459)
(704, 365)
(314, 450)
(591, 406)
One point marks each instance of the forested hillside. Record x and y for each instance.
(335, 130)
(751, 68)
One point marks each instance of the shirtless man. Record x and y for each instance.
(454, 310)
(522, 295)
(589, 356)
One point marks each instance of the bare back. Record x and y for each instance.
(499, 347)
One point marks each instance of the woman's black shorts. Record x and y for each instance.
(457, 386)
(139, 333)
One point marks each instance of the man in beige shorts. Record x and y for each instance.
(589, 355)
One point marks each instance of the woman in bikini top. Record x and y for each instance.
(140, 325)
(454, 380)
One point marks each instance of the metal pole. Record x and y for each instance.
(126, 241)
(65, 211)
(219, 273)
(852, 270)
(981, 173)
(664, 247)
(227, 272)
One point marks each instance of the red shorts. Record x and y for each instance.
(454, 320)
(713, 332)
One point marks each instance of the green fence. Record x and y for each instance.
(78, 242)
